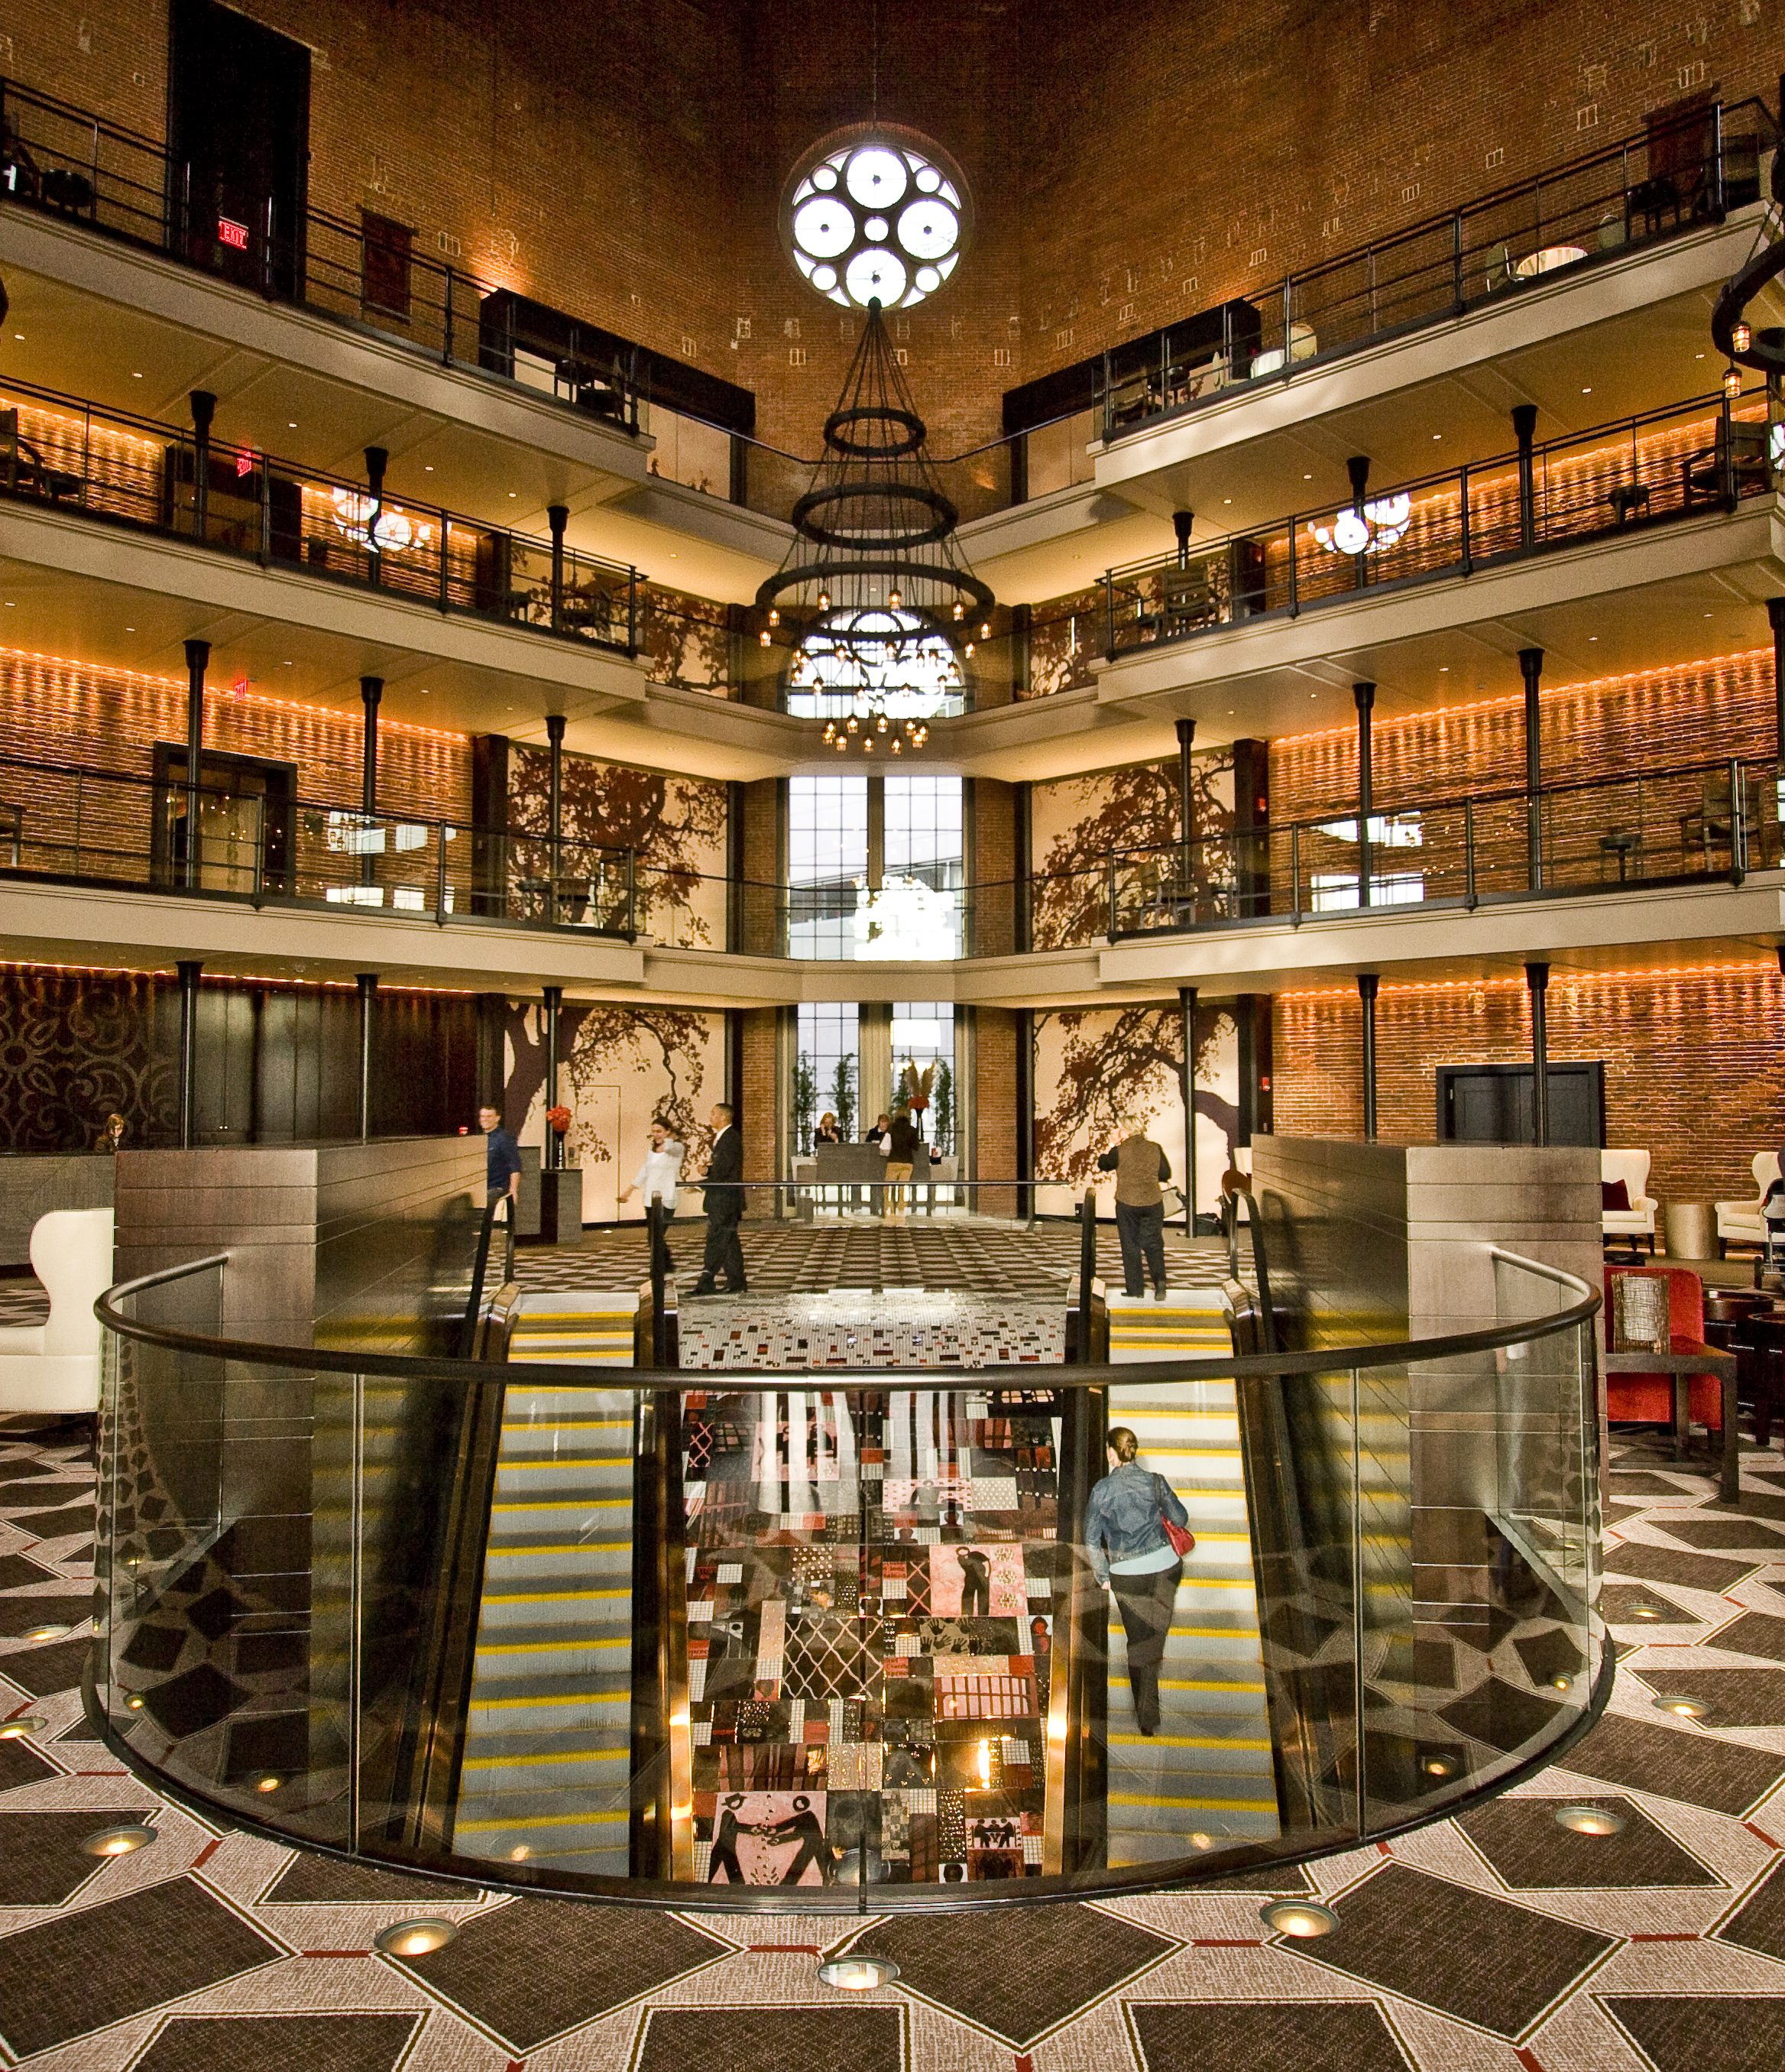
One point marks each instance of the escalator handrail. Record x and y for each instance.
(748, 1380)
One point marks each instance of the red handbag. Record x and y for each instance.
(1183, 1539)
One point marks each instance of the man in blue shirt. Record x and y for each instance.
(501, 1168)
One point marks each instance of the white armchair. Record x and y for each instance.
(1637, 1221)
(53, 1369)
(1739, 1222)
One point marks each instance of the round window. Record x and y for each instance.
(874, 213)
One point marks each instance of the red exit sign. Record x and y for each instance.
(235, 234)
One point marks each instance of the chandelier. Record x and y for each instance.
(880, 613)
(1364, 526)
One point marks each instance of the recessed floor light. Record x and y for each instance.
(1646, 1611)
(26, 1723)
(1682, 1709)
(46, 1632)
(1590, 1819)
(270, 1783)
(414, 1938)
(858, 1974)
(1439, 1765)
(1200, 1841)
(134, 1703)
(1302, 1918)
(119, 1841)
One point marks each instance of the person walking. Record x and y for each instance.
(1132, 1554)
(658, 1174)
(1139, 1165)
(899, 1148)
(502, 1158)
(724, 1206)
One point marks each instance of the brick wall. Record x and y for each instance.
(994, 918)
(1694, 1059)
(1610, 726)
(994, 1123)
(762, 1097)
(1127, 165)
(1259, 137)
(108, 721)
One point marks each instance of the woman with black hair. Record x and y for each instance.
(1131, 1554)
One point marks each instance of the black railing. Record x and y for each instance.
(73, 456)
(1684, 169)
(1684, 461)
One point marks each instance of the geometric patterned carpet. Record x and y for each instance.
(1498, 1942)
(983, 1255)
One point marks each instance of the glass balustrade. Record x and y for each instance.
(839, 1634)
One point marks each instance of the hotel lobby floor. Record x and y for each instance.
(1500, 1940)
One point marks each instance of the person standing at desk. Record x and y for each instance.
(899, 1148)
(501, 1160)
(658, 1174)
(724, 1207)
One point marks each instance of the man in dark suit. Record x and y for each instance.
(724, 1206)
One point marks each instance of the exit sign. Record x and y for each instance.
(231, 233)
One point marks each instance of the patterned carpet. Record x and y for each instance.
(982, 1256)
(1499, 1941)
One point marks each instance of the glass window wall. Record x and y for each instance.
(827, 863)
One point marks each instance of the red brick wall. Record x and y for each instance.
(759, 1122)
(1611, 726)
(1128, 165)
(995, 1122)
(994, 919)
(1176, 157)
(1694, 1059)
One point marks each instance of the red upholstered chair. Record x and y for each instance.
(1645, 1398)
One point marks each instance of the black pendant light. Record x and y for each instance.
(874, 598)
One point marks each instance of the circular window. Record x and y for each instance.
(875, 214)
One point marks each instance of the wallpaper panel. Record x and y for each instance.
(1092, 1066)
(677, 825)
(618, 1068)
(1075, 822)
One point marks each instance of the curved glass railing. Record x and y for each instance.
(835, 1635)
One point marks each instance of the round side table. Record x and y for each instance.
(1690, 1230)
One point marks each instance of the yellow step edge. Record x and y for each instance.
(513, 1427)
(538, 1820)
(540, 1552)
(558, 1597)
(1209, 1805)
(580, 1504)
(532, 1761)
(610, 1700)
(1173, 1740)
(1209, 1683)
(547, 1647)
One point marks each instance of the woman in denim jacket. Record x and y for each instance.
(1125, 1538)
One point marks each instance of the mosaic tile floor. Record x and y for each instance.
(860, 1327)
(1498, 1942)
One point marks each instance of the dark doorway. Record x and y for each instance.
(1492, 1105)
(244, 822)
(238, 127)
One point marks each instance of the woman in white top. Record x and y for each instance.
(658, 1174)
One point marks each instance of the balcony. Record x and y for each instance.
(92, 861)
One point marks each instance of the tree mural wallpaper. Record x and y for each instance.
(687, 641)
(619, 1067)
(1079, 820)
(1094, 1066)
(675, 824)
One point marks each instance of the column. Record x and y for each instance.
(1531, 663)
(1187, 799)
(371, 690)
(1368, 983)
(553, 998)
(1524, 426)
(1251, 1021)
(197, 658)
(1252, 827)
(1187, 1005)
(368, 983)
(377, 460)
(189, 970)
(557, 516)
(1536, 977)
(1776, 616)
(554, 812)
(1364, 695)
(204, 406)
